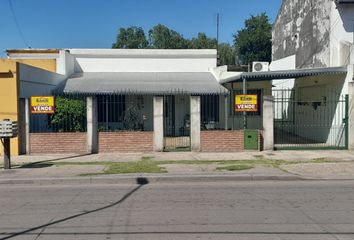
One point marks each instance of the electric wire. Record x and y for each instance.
(17, 24)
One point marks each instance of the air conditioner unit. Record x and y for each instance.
(260, 66)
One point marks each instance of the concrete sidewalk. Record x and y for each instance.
(340, 166)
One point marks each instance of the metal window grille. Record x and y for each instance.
(69, 116)
(124, 113)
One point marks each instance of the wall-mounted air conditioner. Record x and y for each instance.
(260, 66)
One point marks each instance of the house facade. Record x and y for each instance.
(306, 35)
(131, 100)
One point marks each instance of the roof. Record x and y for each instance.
(344, 1)
(151, 83)
(33, 50)
(285, 74)
(146, 53)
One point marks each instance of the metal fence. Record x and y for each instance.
(316, 120)
(69, 116)
(124, 113)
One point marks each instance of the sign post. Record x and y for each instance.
(246, 103)
(8, 129)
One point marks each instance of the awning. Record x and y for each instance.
(152, 83)
(285, 74)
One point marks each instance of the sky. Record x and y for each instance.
(95, 23)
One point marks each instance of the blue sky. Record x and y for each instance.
(94, 23)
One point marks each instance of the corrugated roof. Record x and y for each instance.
(285, 74)
(198, 83)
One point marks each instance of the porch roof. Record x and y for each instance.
(152, 83)
(285, 74)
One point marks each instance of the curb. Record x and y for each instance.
(151, 179)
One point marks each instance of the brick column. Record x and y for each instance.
(268, 122)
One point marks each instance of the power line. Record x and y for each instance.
(17, 24)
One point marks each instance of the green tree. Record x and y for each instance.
(161, 37)
(254, 41)
(131, 37)
(227, 54)
(70, 115)
(202, 42)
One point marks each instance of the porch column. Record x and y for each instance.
(158, 123)
(351, 116)
(92, 136)
(268, 123)
(195, 123)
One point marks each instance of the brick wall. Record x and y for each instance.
(129, 141)
(67, 142)
(221, 141)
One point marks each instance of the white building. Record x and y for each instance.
(314, 35)
(137, 100)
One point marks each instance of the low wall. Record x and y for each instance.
(128, 141)
(66, 142)
(222, 141)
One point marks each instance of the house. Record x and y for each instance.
(312, 110)
(131, 100)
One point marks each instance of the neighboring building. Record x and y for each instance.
(9, 82)
(319, 35)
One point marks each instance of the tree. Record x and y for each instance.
(227, 54)
(161, 37)
(202, 42)
(131, 37)
(254, 41)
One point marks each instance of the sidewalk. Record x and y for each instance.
(44, 169)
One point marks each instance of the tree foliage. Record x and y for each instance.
(162, 37)
(131, 37)
(70, 115)
(227, 54)
(254, 41)
(202, 42)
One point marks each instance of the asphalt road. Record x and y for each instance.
(243, 210)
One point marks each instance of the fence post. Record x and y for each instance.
(351, 116)
(92, 135)
(195, 123)
(158, 123)
(268, 122)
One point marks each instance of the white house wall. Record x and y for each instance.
(302, 28)
(287, 63)
(328, 116)
(342, 27)
(145, 60)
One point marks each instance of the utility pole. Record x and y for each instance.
(217, 39)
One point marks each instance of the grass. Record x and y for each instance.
(237, 167)
(148, 165)
(144, 166)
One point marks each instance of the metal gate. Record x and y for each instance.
(310, 119)
(176, 123)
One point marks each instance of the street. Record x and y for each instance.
(241, 210)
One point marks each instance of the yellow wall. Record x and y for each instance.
(9, 90)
